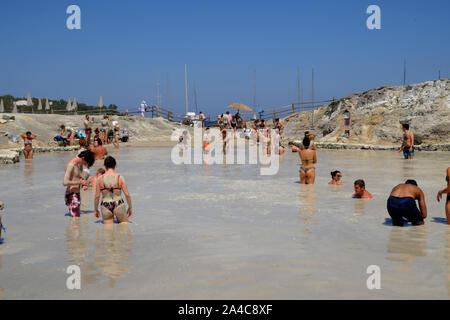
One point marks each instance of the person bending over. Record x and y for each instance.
(401, 204)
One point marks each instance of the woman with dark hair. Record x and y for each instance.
(446, 191)
(308, 158)
(28, 144)
(73, 180)
(336, 178)
(110, 186)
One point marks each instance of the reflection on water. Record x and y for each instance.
(447, 257)
(406, 244)
(308, 200)
(28, 172)
(2, 291)
(112, 248)
(361, 205)
(77, 243)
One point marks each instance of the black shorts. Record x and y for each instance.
(403, 208)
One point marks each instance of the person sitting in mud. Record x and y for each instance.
(308, 158)
(69, 133)
(446, 191)
(110, 187)
(2, 206)
(360, 190)
(401, 204)
(336, 178)
(408, 142)
(28, 144)
(99, 150)
(73, 180)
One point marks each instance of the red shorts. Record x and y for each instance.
(73, 202)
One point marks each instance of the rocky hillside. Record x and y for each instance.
(376, 115)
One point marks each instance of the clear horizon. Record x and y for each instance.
(123, 50)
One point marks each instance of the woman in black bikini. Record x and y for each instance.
(446, 191)
(28, 144)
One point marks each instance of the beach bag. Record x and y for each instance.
(80, 134)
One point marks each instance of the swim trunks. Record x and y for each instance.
(73, 202)
(407, 153)
(400, 208)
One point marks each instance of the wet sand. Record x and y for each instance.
(225, 232)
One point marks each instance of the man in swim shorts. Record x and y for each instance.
(408, 142)
(360, 190)
(401, 204)
(73, 180)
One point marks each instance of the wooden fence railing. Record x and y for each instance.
(157, 111)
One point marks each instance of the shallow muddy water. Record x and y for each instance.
(225, 231)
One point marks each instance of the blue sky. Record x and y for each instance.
(124, 48)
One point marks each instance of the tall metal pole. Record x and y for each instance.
(158, 97)
(439, 74)
(186, 87)
(404, 73)
(168, 92)
(254, 89)
(195, 99)
(312, 97)
(299, 88)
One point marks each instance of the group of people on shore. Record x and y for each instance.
(108, 132)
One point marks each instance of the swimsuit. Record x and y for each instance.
(112, 206)
(407, 153)
(405, 207)
(73, 202)
(306, 169)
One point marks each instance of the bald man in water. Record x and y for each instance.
(401, 204)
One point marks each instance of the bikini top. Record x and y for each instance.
(110, 189)
(27, 143)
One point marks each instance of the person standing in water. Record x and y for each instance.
(446, 191)
(336, 178)
(308, 158)
(87, 129)
(73, 180)
(408, 142)
(104, 130)
(110, 186)
(360, 190)
(402, 204)
(28, 144)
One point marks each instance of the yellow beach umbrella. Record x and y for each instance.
(239, 106)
